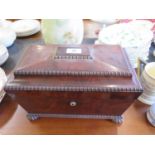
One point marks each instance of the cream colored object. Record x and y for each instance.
(3, 54)
(150, 70)
(62, 31)
(26, 27)
(7, 36)
(148, 83)
(135, 38)
(5, 23)
(3, 80)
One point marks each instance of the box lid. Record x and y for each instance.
(74, 60)
(75, 68)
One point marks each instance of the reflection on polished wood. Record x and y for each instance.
(13, 118)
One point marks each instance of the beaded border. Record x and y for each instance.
(70, 89)
(70, 57)
(72, 73)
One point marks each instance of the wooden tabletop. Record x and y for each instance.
(13, 117)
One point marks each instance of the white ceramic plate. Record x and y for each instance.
(5, 23)
(4, 58)
(3, 54)
(136, 39)
(26, 27)
(3, 80)
(142, 23)
(7, 36)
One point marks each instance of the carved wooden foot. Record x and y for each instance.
(32, 117)
(118, 119)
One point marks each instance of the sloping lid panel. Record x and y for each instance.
(74, 60)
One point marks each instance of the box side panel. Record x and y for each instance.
(93, 103)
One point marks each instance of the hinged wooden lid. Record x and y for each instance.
(96, 60)
(86, 68)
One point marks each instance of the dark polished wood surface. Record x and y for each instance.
(44, 84)
(13, 117)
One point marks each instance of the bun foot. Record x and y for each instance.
(32, 117)
(118, 119)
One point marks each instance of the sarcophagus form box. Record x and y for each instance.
(82, 81)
